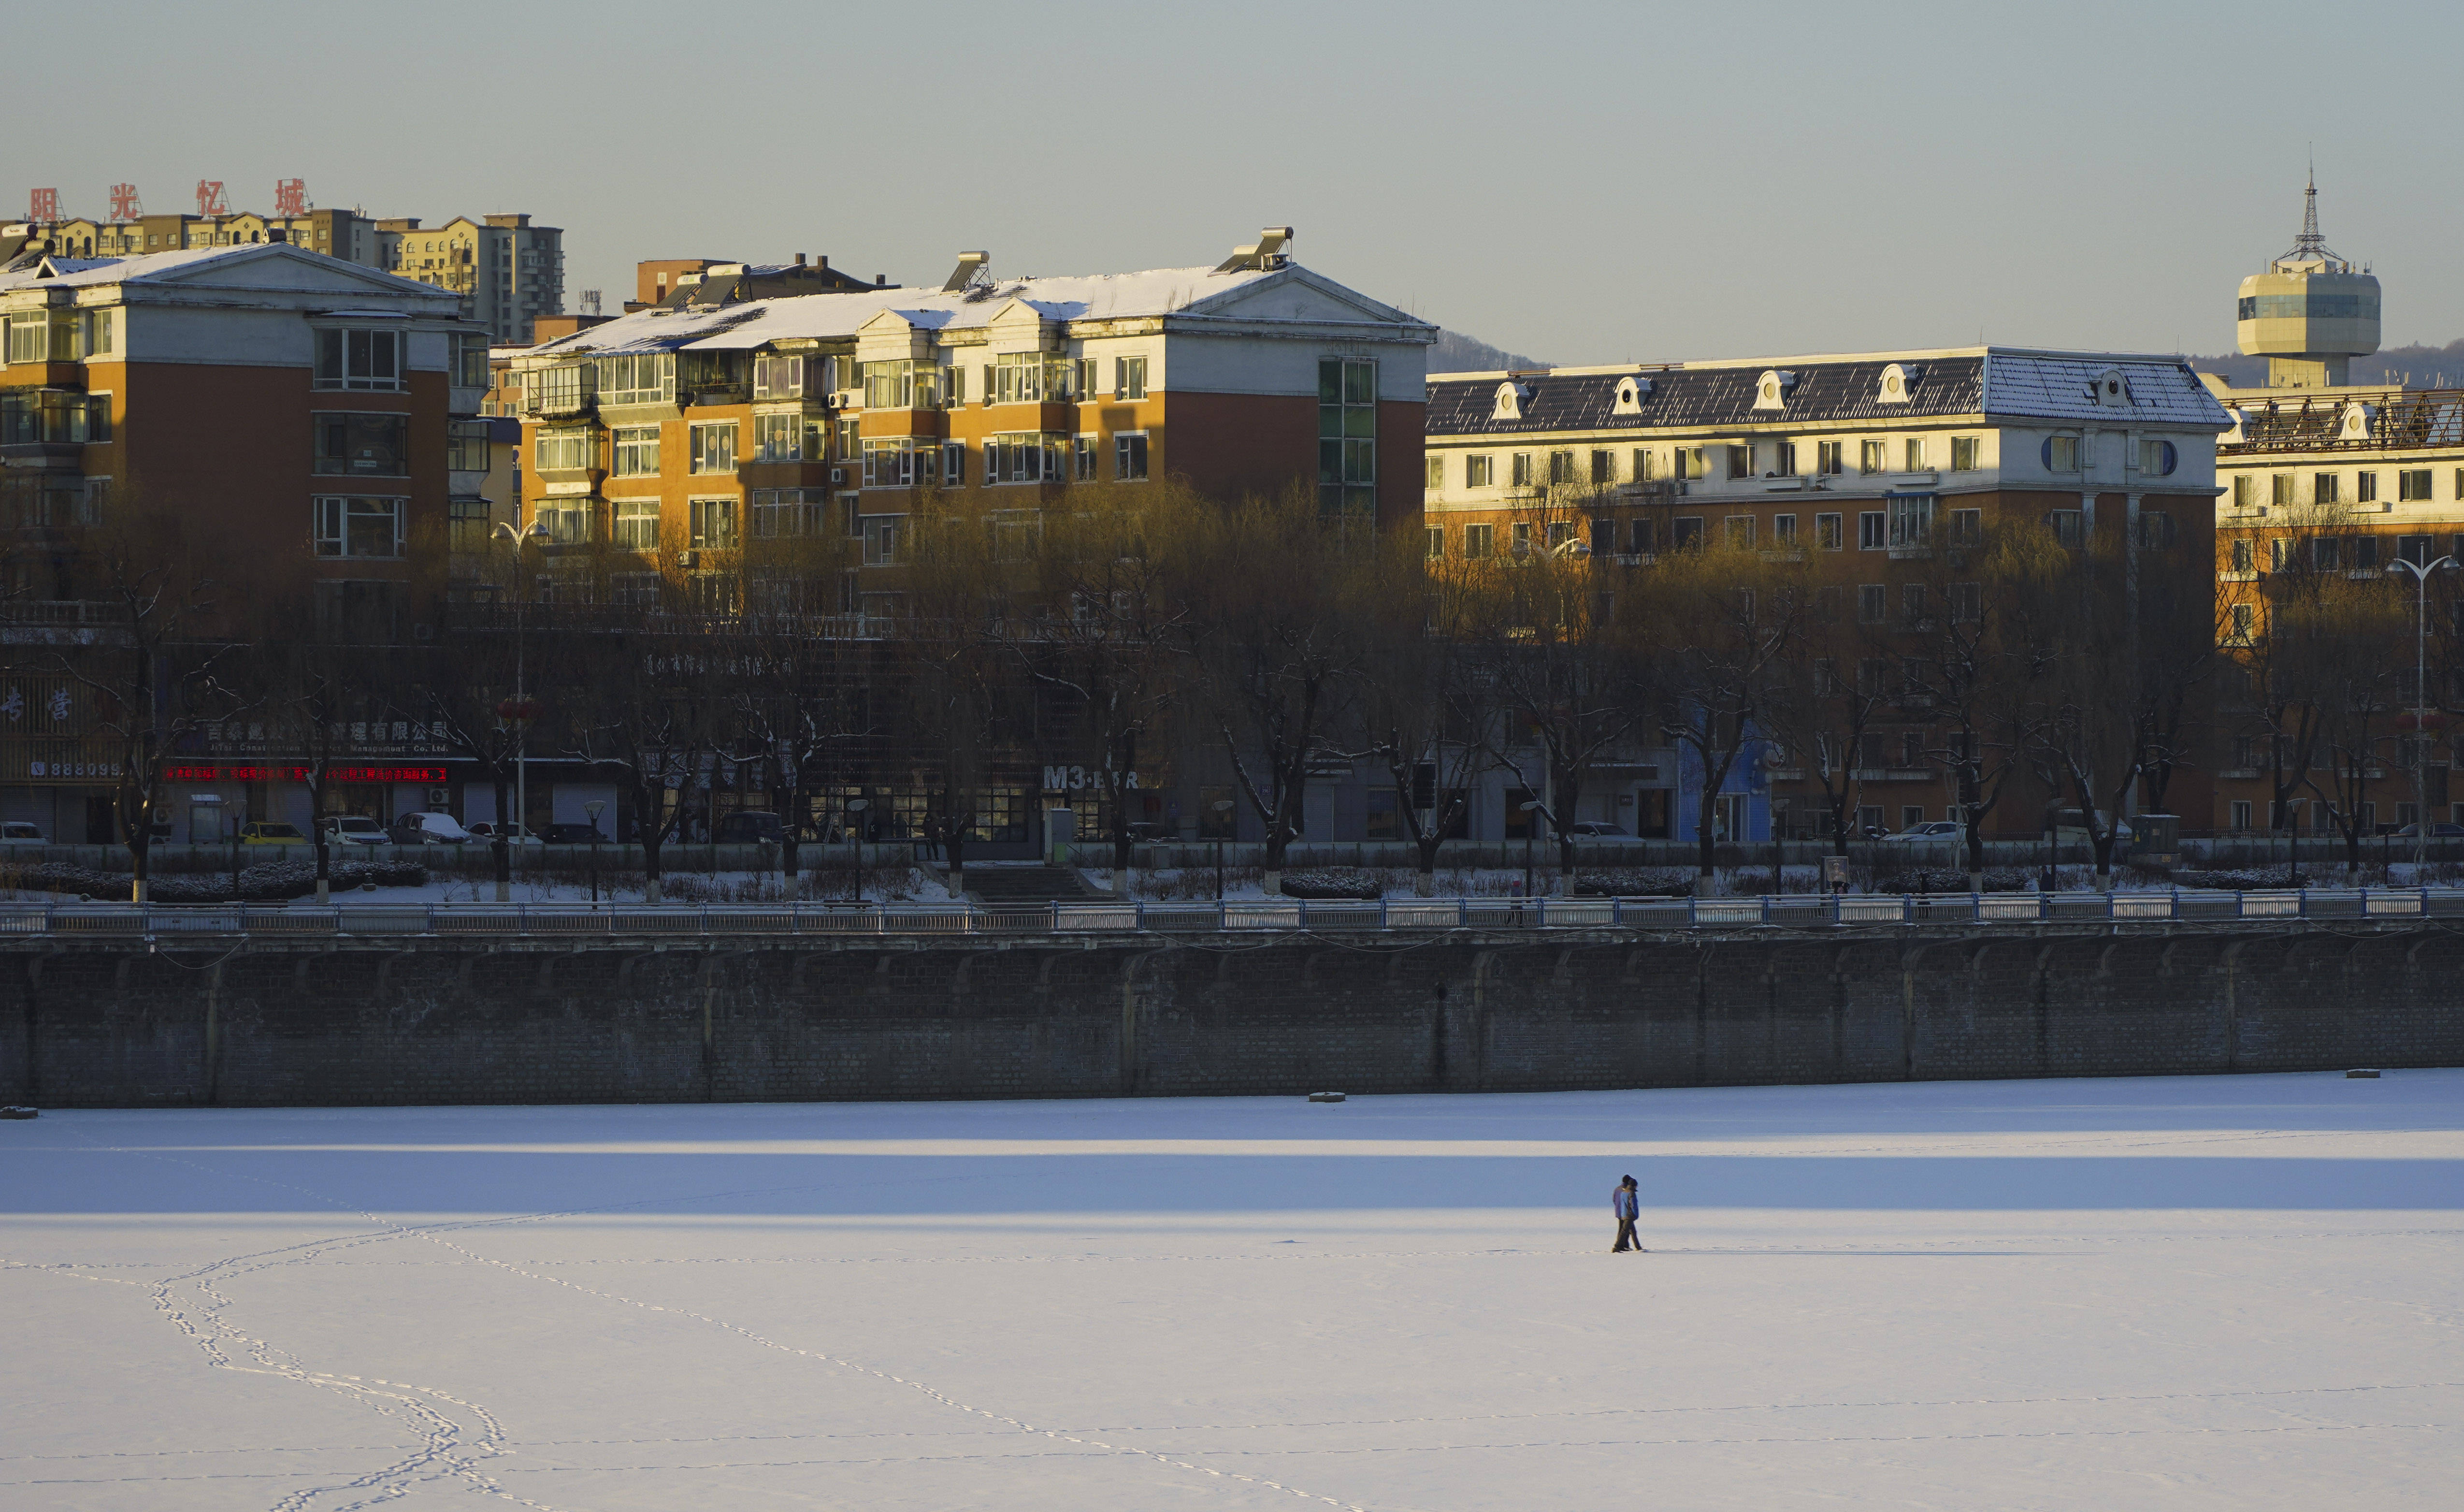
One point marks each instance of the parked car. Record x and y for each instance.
(516, 835)
(17, 832)
(355, 828)
(2437, 831)
(267, 831)
(1595, 830)
(749, 827)
(429, 829)
(1933, 829)
(573, 834)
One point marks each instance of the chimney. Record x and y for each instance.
(822, 262)
(881, 281)
(800, 259)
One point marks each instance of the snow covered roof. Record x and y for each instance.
(1097, 297)
(1983, 382)
(176, 266)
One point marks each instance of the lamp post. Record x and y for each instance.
(1530, 827)
(2420, 571)
(855, 838)
(518, 708)
(593, 808)
(1222, 817)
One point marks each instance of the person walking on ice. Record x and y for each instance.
(1627, 1203)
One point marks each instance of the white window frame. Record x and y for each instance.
(354, 358)
(701, 448)
(632, 512)
(711, 521)
(1129, 378)
(568, 448)
(331, 517)
(634, 452)
(1131, 457)
(766, 430)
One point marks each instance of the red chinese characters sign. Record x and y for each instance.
(124, 204)
(209, 198)
(290, 196)
(202, 772)
(43, 204)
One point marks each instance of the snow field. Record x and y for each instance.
(2223, 1292)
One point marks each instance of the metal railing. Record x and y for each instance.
(1243, 916)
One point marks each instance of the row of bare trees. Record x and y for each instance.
(1142, 625)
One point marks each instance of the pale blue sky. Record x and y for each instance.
(1583, 183)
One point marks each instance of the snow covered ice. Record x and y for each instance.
(2218, 1292)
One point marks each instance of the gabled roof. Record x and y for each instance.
(255, 264)
(1198, 292)
(1997, 383)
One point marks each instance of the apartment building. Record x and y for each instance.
(508, 272)
(341, 233)
(674, 433)
(302, 403)
(1863, 466)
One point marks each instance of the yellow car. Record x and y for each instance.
(263, 833)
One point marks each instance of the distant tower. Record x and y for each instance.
(2311, 313)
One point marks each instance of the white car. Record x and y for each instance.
(1595, 830)
(355, 828)
(1938, 830)
(17, 832)
(482, 831)
(429, 829)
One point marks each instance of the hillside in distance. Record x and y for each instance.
(1458, 353)
(2414, 366)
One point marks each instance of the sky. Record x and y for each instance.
(1578, 183)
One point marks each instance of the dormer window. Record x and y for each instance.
(1510, 399)
(1899, 384)
(1773, 389)
(2359, 423)
(2111, 391)
(1630, 394)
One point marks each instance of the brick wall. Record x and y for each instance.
(106, 1025)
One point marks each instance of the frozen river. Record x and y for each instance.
(2223, 1292)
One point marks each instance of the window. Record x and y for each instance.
(562, 451)
(1915, 604)
(466, 446)
(637, 451)
(1642, 538)
(2279, 488)
(1872, 604)
(1604, 537)
(633, 590)
(1826, 457)
(713, 448)
(1436, 543)
(714, 524)
(1130, 459)
(849, 446)
(1741, 461)
(1916, 455)
(1522, 477)
(890, 463)
(2155, 529)
(1479, 472)
(2276, 554)
(782, 513)
(1603, 467)
(1686, 533)
(1347, 436)
(1784, 531)
(1966, 602)
(1642, 468)
(637, 524)
(1869, 457)
(1561, 534)
(2243, 493)
(777, 377)
(1827, 533)
(1083, 468)
(777, 438)
(2061, 454)
(2241, 814)
(567, 519)
(2157, 458)
(1738, 532)
(347, 359)
(364, 444)
(29, 338)
(466, 525)
(2068, 526)
(2324, 553)
(1479, 541)
(1963, 454)
(2365, 487)
(1870, 531)
(907, 384)
(1689, 462)
(2414, 549)
(1129, 378)
(953, 464)
(1433, 471)
(1784, 459)
(2323, 488)
(358, 527)
(2413, 482)
(1522, 538)
(2365, 553)
(1561, 469)
(1967, 527)
(2241, 555)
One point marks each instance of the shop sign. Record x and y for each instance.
(1078, 779)
(72, 768)
(281, 773)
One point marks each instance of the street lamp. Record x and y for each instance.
(2420, 571)
(592, 808)
(1222, 817)
(518, 708)
(1531, 828)
(855, 838)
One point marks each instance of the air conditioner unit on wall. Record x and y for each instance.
(838, 475)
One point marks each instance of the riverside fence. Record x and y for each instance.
(1252, 916)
